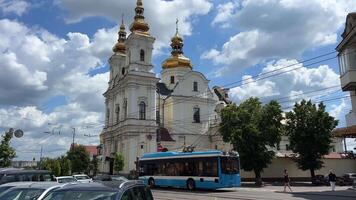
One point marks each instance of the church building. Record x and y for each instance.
(140, 118)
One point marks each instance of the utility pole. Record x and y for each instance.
(41, 158)
(73, 138)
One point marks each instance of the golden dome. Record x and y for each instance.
(177, 59)
(120, 45)
(139, 25)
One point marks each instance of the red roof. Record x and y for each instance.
(92, 150)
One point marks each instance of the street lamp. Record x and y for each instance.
(18, 133)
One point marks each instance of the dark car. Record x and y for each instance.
(129, 190)
(13, 175)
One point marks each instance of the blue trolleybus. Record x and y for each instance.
(203, 170)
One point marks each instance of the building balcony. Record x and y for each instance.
(348, 80)
(351, 118)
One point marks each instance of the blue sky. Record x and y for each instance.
(54, 56)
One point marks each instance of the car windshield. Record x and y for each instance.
(66, 180)
(81, 195)
(230, 165)
(22, 194)
(4, 188)
(83, 177)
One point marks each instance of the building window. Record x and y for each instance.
(142, 55)
(123, 71)
(125, 108)
(196, 115)
(172, 79)
(195, 86)
(287, 147)
(142, 111)
(117, 110)
(107, 116)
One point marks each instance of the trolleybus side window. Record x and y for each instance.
(181, 167)
(230, 165)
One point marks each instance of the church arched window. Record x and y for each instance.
(125, 108)
(142, 110)
(117, 113)
(195, 86)
(142, 55)
(196, 115)
(107, 116)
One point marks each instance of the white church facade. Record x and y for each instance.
(141, 120)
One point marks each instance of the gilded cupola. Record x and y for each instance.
(177, 59)
(139, 25)
(120, 45)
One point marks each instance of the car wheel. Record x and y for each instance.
(190, 184)
(151, 183)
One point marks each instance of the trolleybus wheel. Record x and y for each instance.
(151, 183)
(190, 184)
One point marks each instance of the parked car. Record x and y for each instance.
(106, 177)
(83, 178)
(6, 186)
(29, 191)
(349, 178)
(126, 191)
(65, 179)
(15, 175)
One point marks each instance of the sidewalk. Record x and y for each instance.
(300, 189)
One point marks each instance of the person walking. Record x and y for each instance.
(332, 180)
(286, 181)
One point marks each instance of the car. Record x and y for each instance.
(29, 191)
(83, 178)
(126, 191)
(119, 178)
(6, 186)
(106, 177)
(19, 175)
(349, 178)
(65, 179)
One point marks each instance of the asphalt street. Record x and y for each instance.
(265, 193)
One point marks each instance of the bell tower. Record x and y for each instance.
(140, 42)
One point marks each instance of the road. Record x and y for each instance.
(267, 193)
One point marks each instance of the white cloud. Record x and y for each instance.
(274, 29)
(160, 14)
(18, 7)
(37, 66)
(293, 84)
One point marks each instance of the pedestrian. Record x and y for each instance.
(286, 181)
(332, 180)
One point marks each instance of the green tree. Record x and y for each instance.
(7, 153)
(251, 127)
(65, 166)
(79, 159)
(119, 162)
(52, 165)
(94, 165)
(309, 129)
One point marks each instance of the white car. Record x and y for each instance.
(29, 190)
(82, 178)
(65, 179)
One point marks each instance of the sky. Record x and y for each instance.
(54, 69)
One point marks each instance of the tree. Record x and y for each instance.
(251, 127)
(7, 153)
(65, 166)
(119, 162)
(309, 129)
(79, 159)
(52, 165)
(94, 165)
